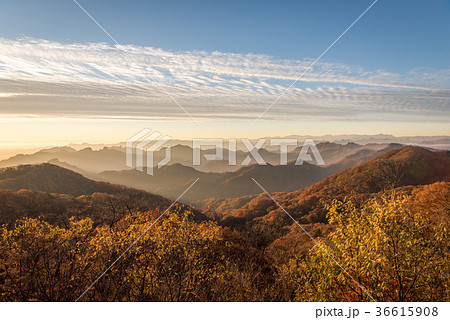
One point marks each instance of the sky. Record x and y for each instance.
(63, 80)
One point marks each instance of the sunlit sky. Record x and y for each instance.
(63, 80)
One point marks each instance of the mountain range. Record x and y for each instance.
(93, 161)
(56, 193)
(302, 188)
(217, 178)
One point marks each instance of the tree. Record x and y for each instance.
(392, 250)
(171, 259)
(38, 261)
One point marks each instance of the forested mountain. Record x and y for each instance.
(62, 230)
(51, 178)
(171, 180)
(396, 168)
(56, 194)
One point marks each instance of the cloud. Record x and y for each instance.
(44, 78)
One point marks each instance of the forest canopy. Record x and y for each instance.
(393, 247)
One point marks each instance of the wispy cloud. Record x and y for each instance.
(44, 78)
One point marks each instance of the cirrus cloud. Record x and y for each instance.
(45, 78)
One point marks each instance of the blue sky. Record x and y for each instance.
(396, 35)
(227, 61)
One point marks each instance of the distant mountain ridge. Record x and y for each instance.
(170, 180)
(88, 161)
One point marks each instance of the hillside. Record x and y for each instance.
(171, 180)
(396, 168)
(54, 179)
(409, 170)
(57, 194)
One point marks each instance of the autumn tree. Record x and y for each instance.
(393, 251)
(38, 261)
(174, 258)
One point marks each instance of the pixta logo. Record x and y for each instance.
(142, 146)
(253, 151)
